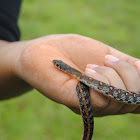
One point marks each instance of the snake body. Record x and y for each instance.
(86, 110)
(120, 95)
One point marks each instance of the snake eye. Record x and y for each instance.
(58, 65)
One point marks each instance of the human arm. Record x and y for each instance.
(33, 64)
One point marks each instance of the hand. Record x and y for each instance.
(36, 68)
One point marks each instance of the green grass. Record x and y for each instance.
(32, 116)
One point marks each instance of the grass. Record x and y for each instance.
(32, 116)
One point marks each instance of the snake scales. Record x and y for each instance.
(82, 88)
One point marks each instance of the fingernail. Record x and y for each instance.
(137, 64)
(89, 71)
(91, 66)
(111, 58)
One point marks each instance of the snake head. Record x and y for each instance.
(63, 66)
(57, 63)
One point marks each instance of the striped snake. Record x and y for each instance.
(82, 90)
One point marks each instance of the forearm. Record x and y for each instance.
(10, 84)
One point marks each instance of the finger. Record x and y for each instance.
(112, 76)
(128, 74)
(122, 56)
(126, 71)
(115, 80)
(98, 101)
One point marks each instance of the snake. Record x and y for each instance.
(82, 90)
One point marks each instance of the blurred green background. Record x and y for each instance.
(32, 116)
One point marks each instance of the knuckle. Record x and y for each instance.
(124, 66)
(108, 71)
(101, 105)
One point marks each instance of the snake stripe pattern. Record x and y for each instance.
(86, 110)
(120, 95)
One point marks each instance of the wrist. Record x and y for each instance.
(9, 54)
(11, 84)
